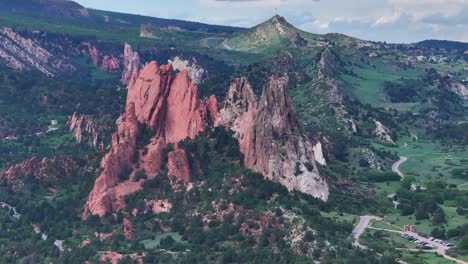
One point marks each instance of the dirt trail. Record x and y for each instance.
(396, 166)
(360, 228)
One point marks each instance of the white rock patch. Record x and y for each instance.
(382, 132)
(318, 154)
(196, 73)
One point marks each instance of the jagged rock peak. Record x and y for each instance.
(196, 72)
(327, 64)
(131, 63)
(238, 111)
(86, 130)
(280, 148)
(171, 108)
(271, 136)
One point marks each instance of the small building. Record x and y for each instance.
(409, 228)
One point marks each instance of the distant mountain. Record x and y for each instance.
(273, 32)
(64, 9)
(444, 44)
(50, 8)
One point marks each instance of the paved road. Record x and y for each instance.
(396, 166)
(360, 228)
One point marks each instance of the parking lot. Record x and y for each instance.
(426, 241)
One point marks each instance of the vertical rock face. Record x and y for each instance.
(279, 146)
(239, 111)
(196, 73)
(170, 108)
(131, 63)
(85, 130)
(318, 154)
(20, 53)
(184, 116)
(109, 189)
(271, 137)
(127, 229)
(178, 165)
(110, 64)
(382, 132)
(105, 62)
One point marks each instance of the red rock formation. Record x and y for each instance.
(148, 91)
(114, 257)
(178, 165)
(270, 135)
(85, 130)
(105, 62)
(102, 236)
(159, 206)
(184, 116)
(127, 229)
(41, 169)
(92, 51)
(108, 191)
(110, 64)
(212, 109)
(171, 108)
(131, 63)
(85, 242)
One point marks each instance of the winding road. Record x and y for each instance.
(396, 166)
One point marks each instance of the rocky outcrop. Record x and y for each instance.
(327, 64)
(159, 206)
(196, 73)
(178, 165)
(146, 32)
(131, 63)
(127, 229)
(382, 133)
(111, 187)
(239, 111)
(92, 51)
(460, 89)
(110, 64)
(86, 130)
(22, 53)
(318, 154)
(271, 136)
(169, 107)
(106, 62)
(40, 169)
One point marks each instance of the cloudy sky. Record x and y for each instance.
(385, 20)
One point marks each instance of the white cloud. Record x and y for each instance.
(388, 19)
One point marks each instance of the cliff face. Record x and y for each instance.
(239, 111)
(269, 132)
(107, 63)
(22, 53)
(131, 63)
(170, 108)
(86, 130)
(271, 136)
(196, 73)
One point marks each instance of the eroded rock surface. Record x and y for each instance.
(86, 130)
(271, 136)
(168, 106)
(196, 73)
(131, 63)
